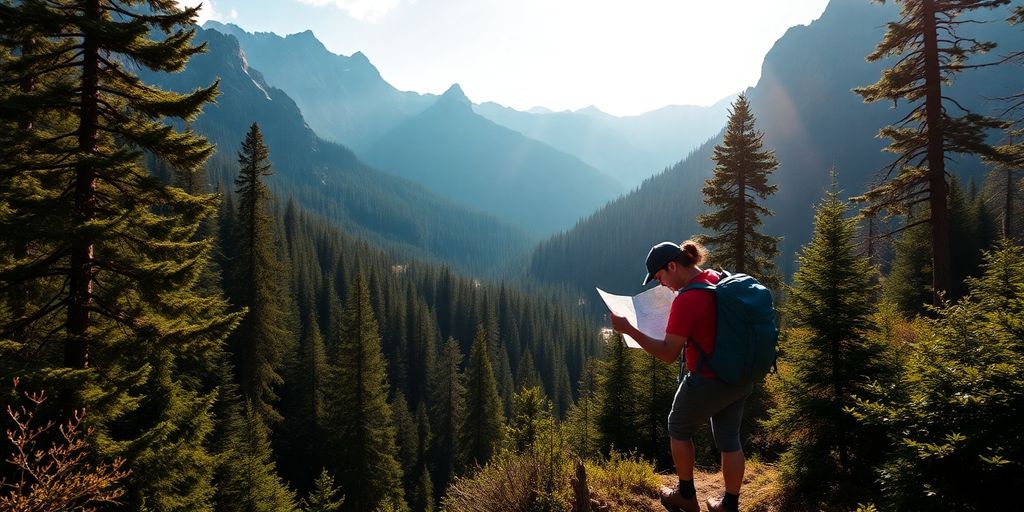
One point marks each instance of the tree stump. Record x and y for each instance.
(580, 490)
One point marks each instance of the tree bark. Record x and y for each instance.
(580, 490)
(76, 347)
(941, 266)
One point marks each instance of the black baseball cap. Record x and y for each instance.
(659, 257)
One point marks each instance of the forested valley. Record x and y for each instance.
(183, 329)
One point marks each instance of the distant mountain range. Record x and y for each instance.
(629, 149)
(810, 117)
(327, 177)
(467, 158)
(346, 100)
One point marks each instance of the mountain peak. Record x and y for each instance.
(455, 93)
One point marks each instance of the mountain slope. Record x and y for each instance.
(466, 158)
(630, 148)
(327, 177)
(344, 99)
(810, 117)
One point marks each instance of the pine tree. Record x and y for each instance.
(422, 497)
(829, 358)
(930, 52)
(742, 167)
(249, 481)
(109, 254)
(306, 424)
(261, 341)
(581, 423)
(480, 431)
(448, 412)
(407, 440)
(360, 417)
(954, 445)
(617, 414)
(322, 499)
(908, 285)
(531, 420)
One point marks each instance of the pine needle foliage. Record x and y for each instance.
(249, 475)
(363, 432)
(323, 499)
(828, 358)
(262, 339)
(954, 445)
(447, 413)
(110, 256)
(739, 182)
(481, 430)
(929, 53)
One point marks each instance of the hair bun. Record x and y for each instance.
(695, 253)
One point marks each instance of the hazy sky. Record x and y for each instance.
(625, 57)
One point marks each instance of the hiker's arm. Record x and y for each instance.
(667, 349)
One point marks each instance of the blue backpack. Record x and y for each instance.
(747, 339)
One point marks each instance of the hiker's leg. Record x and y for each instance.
(689, 412)
(733, 465)
(725, 426)
(683, 457)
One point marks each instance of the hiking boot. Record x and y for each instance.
(715, 505)
(675, 502)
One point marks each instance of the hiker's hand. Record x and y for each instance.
(620, 324)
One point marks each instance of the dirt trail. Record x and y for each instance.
(760, 488)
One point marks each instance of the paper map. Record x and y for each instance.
(647, 311)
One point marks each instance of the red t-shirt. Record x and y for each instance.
(694, 317)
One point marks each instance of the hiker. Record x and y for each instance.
(701, 394)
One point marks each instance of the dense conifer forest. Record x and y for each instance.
(176, 335)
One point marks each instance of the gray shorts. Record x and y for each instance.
(699, 398)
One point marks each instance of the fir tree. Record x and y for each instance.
(249, 481)
(531, 420)
(422, 496)
(617, 414)
(829, 358)
(930, 53)
(306, 425)
(363, 429)
(261, 341)
(908, 285)
(110, 254)
(407, 440)
(954, 445)
(742, 167)
(581, 423)
(323, 499)
(480, 431)
(447, 411)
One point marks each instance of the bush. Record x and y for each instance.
(622, 482)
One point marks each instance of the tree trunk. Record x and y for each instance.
(76, 348)
(580, 490)
(941, 266)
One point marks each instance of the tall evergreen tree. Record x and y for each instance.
(742, 167)
(111, 254)
(617, 414)
(360, 417)
(249, 481)
(261, 340)
(480, 431)
(930, 52)
(829, 357)
(306, 425)
(448, 412)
